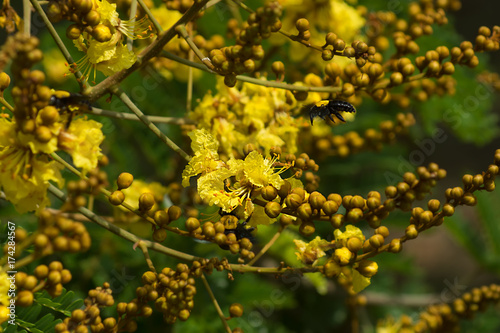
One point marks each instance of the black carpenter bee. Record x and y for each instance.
(64, 101)
(330, 107)
(232, 226)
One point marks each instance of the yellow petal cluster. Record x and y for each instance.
(82, 141)
(111, 56)
(309, 253)
(24, 176)
(252, 114)
(214, 185)
(350, 232)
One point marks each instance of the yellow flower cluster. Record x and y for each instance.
(25, 169)
(309, 253)
(253, 114)
(112, 55)
(215, 185)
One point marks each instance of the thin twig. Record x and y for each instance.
(216, 304)
(27, 17)
(126, 100)
(57, 39)
(149, 52)
(6, 104)
(189, 96)
(131, 116)
(133, 13)
(181, 30)
(157, 25)
(123, 233)
(266, 247)
(145, 251)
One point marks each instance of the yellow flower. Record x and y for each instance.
(259, 171)
(343, 256)
(55, 66)
(82, 141)
(108, 57)
(24, 177)
(211, 189)
(309, 253)
(359, 282)
(112, 55)
(253, 172)
(255, 114)
(205, 159)
(351, 231)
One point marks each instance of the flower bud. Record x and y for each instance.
(124, 180)
(272, 209)
(146, 201)
(367, 268)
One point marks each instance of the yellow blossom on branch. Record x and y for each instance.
(350, 232)
(82, 141)
(214, 184)
(24, 176)
(309, 253)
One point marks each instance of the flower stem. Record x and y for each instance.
(157, 25)
(181, 30)
(131, 116)
(27, 17)
(126, 100)
(145, 251)
(216, 304)
(133, 13)
(123, 233)
(6, 104)
(57, 39)
(266, 247)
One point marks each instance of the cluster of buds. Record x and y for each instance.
(91, 185)
(491, 79)
(31, 97)
(85, 16)
(228, 233)
(81, 319)
(49, 278)
(240, 58)
(179, 5)
(446, 317)
(58, 233)
(172, 291)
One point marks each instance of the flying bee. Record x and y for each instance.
(329, 108)
(67, 102)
